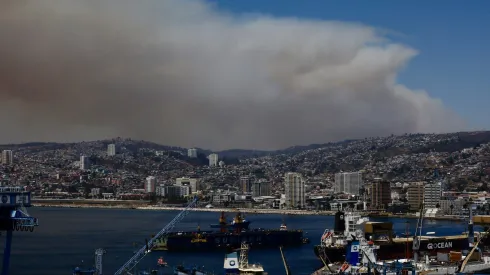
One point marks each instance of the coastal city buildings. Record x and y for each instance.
(191, 183)
(415, 195)
(380, 192)
(245, 184)
(52, 171)
(192, 153)
(294, 190)
(111, 149)
(348, 183)
(7, 157)
(432, 195)
(213, 160)
(261, 188)
(84, 162)
(150, 184)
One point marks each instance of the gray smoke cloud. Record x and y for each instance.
(180, 72)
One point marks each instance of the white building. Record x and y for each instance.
(192, 153)
(294, 190)
(111, 149)
(7, 157)
(348, 183)
(160, 190)
(84, 163)
(150, 184)
(213, 160)
(432, 194)
(192, 183)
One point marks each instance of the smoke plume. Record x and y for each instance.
(180, 72)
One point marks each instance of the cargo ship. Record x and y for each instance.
(230, 235)
(351, 227)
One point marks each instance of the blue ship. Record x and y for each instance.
(231, 236)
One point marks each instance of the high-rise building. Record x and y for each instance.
(192, 153)
(150, 184)
(84, 163)
(191, 182)
(432, 194)
(261, 188)
(213, 160)
(7, 157)
(348, 183)
(380, 193)
(415, 195)
(176, 191)
(245, 184)
(111, 150)
(294, 190)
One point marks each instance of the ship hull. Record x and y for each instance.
(222, 241)
(399, 250)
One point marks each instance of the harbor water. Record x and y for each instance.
(68, 237)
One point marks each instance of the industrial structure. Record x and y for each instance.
(141, 253)
(14, 217)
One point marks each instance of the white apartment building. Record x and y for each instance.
(192, 183)
(295, 190)
(213, 160)
(432, 194)
(150, 184)
(84, 163)
(192, 153)
(348, 183)
(7, 157)
(111, 149)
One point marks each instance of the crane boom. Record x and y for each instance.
(141, 253)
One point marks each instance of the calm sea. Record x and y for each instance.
(68, 237)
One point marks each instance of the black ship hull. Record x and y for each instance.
(400, 249)
(206, 241)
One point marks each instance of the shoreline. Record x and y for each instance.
(230, 210)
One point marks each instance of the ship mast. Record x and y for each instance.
(243, 263)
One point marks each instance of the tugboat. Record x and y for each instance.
(230, 236)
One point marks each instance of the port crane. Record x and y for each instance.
(14, 217)
(141, 253)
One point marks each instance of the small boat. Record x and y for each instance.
(283, 227)
(161, 262)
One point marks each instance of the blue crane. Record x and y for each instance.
(141, 253)
(14, 217)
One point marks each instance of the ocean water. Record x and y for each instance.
(67, 238)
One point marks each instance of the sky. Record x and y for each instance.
(241, 73)
(452, 38)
